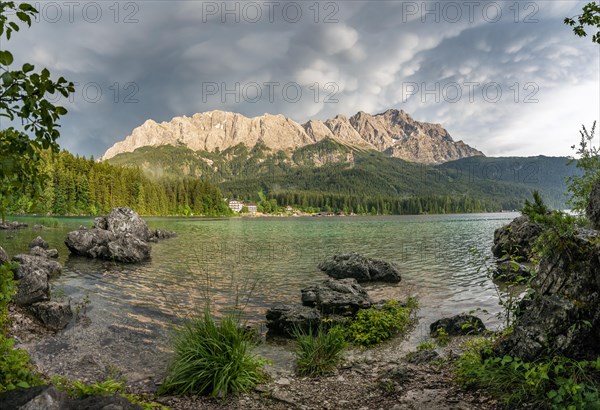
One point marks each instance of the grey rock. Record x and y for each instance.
(92, 243)
(34, 398)
(28, 263)
(38, 227)
(121, 236)
(122, 221)
(33, 287)
(285, 319)
(3, 256)
(593, 208)
(462, 324)
(353, 265)
(12, 225)
(128, 249)
(516, 239)
(100, 223)
(38, 242)
(343, 297)
(44, 253)
(54, 315)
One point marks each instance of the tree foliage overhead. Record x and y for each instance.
(23, 97)
(588, 160)
(590, 16)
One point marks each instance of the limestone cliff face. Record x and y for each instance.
(392, 132)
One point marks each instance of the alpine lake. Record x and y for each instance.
(127, 312)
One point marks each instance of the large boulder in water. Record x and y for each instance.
(30, 263)
(122, 236)
(33, 287)
(562, 316)
(123, 221)
(342, 297)
(355, 266)
(516, 239)
(593, 208)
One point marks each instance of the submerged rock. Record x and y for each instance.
(285, 319)
(12, 225)
(122, 236)
(46, 253)
(516, 239)
(38, 242)
(343, 297)
(562, 317)
(462, 324)
(54, 315)
(356, 266)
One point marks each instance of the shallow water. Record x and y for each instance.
(260, 262)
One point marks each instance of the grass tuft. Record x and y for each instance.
(212, 358)
(319, 354)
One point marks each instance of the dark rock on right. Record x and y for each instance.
(562, 316)
(593, 208)
(355, 266)
(462, 324)
(516, 239)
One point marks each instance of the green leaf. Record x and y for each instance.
(6, 58)
(27, 67)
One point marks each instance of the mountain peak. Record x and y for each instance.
(393, 132)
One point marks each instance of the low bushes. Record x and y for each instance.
(552, 382)
(372, 326)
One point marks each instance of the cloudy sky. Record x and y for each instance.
(508, 78)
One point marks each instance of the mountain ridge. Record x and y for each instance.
(393, 132)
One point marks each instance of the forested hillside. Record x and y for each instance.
(80, 186)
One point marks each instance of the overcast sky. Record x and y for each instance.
(508, 78)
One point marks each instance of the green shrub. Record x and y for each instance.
(15, 370)
(556, 382)
(212, 357)
(372, 326)
(441, 336)
(319, 354)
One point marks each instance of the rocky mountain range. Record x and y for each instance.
(393, 133)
